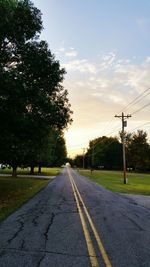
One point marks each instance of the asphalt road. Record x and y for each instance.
(48, 231)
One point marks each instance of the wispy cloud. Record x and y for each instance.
(111, 73)
(109, 84)
(61, 50)
(70, 52)
(82, 66)
(98, 90)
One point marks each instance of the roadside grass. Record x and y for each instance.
(16, 191)
(138, 183)
(45, 171)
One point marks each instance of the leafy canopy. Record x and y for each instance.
(32, 98)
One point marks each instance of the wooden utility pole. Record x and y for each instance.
(83, 157)
(124, 124)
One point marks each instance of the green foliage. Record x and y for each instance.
(104, 152)
(59, 152)
(51, 151)
(138, 151)
(78, 161)
(32, 98)
(19, 22)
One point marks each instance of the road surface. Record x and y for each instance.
(76, 223)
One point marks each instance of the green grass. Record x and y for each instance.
(16, 191)
(138, 184)
(45, 171)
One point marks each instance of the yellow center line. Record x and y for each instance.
(97, 237)
(91, 251)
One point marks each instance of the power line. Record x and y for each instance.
(140, 126)
(108, 124)
(79, 146)
(135, 100)
(140, 108)
(101, 141)
(113, 131)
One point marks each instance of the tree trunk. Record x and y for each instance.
(32, 170)
(14, 172)
(39, 170)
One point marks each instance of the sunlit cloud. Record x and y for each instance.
(82, 66)
(68, 53)
(100, 89)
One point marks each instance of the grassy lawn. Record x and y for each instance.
(45, 171)
(15, 191)
(138, 184)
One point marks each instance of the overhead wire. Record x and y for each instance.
(140, 109)
(92, 154)
(79, 145)
(135, 100)
(140, 126)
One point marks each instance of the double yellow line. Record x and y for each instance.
(90, 247)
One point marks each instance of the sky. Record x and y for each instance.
(104, 46)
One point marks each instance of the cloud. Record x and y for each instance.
(106, 86)
(61, 49)
(106, 62)
(100, 89)
(68, 53)
(82, 66)
(136, 77)
(71, 53)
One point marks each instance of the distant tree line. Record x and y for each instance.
(106, 153)
(34, 107)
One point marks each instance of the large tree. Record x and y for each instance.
(32, 98)
(51, 152)
(104, 152)
(138, 151)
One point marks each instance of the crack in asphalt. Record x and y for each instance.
(53, 215)
(140, 205)
(2, 253)
(38, 208)
(40, 261)
(46, 252)
(34, 221)
(22, 244)
(16, 234)
(49, 226)
(134, 222)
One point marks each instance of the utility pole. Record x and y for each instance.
(124, 124)
(93, 155)
(83, 156)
